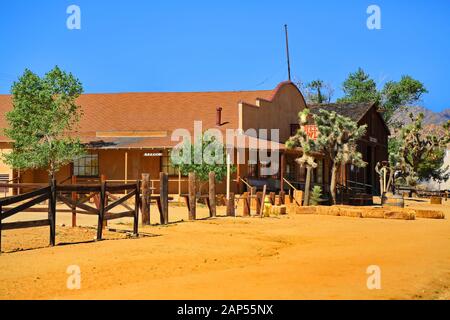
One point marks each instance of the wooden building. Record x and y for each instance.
(128, 134)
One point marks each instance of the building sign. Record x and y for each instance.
(153, 154)
(372, 139)
(311, 131)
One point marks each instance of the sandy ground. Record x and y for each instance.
(286, 257)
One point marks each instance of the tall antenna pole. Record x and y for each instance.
(287, 51)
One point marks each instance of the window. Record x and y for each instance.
(167, 166)
(86, 166)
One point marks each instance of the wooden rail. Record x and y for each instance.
(26, 201)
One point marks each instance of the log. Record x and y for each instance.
(230, 206)
(212, 195)
(164, 194)
(192, 197)
(145, 202)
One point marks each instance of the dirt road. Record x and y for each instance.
(290, 257)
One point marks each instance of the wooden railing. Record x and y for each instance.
(32, 198)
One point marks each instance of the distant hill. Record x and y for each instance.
(431, 118)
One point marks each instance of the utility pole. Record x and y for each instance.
(287, 52)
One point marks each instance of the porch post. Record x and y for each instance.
(228, 174)
(126, 166)
(282, 170)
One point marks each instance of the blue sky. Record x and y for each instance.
(139, 45)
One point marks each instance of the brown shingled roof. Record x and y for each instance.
(162, 111)
(354, 111)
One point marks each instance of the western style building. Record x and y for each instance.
(128, 134)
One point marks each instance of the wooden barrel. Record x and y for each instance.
(393, 201)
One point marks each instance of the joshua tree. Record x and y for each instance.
(418, 155)
(301, 139)
(338, 138)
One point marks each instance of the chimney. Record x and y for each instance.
(219, 116)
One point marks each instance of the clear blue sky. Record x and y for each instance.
(138, 45)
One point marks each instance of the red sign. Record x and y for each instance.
(312, 131)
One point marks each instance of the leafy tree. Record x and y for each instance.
(420, 156)
(301, 139)
(206, 155)
(398, 95)
(44, 111)
(338, 138)
(359, 87)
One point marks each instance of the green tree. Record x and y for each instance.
(301, 139)
(338, 138)
(205, 155)
(418, 155)
(359, 87)
(44, 111)
(398, 95)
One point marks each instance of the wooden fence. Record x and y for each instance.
(26, 201)
(77, 205)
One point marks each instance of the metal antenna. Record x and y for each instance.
(287, 52)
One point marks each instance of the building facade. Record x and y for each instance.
(128, 134)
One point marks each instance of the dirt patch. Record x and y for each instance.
(287, 257)
(38, 238)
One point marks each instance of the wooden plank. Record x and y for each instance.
(23, 185)
(23, 197)
(24, 206)
(79, 188)
(121, 200)
(25, 224)
(120, 187)
(259, 202)
(113, 216)
(109, 195)
(83, 206)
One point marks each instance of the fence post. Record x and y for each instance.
(212, 194)
(105, 199)
(52, 212)
(164, 197)
(282, 198)
(192, 197)
(272, 198)
(74, 208)
(230, 206)
(101, 210)
(136, 209)
(263, 202)
(259, 202)
(145, 203)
